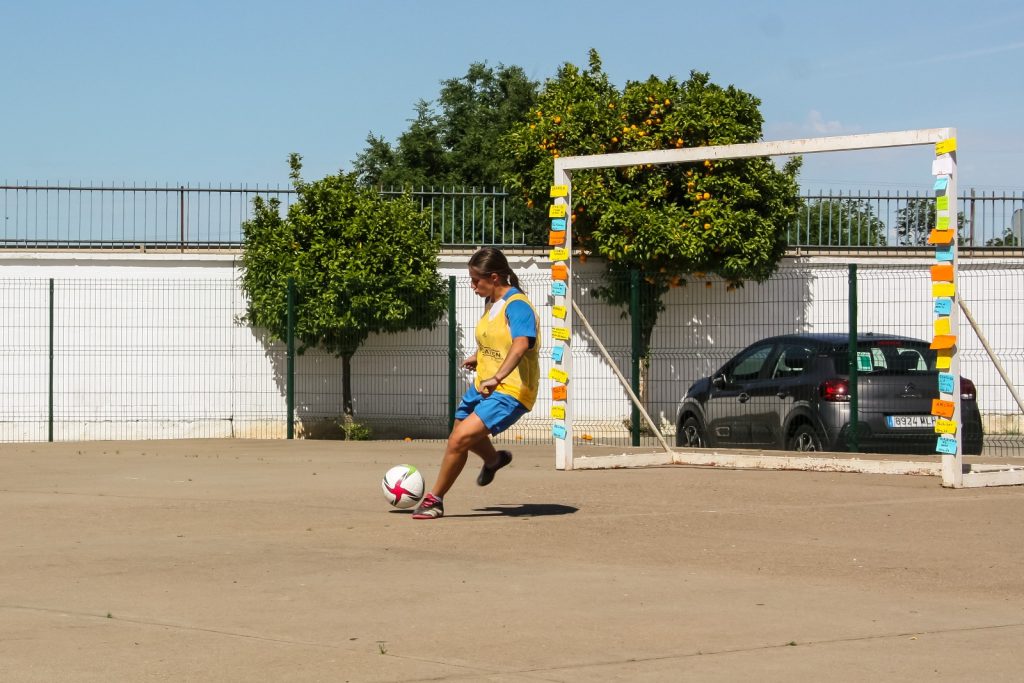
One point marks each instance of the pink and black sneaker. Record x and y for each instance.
(430, 508)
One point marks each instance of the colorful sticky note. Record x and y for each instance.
(940, 237)
(946, 382)
(558, 254)
(943, 341)
(556, 211)
(940, 289)
(559, 392)
(942, 326)
(559, 311)
(943, 408)
(945, 146)
(942, 203)
(946, 444)
(558, 412)
(559, 191)
(942, 273)
(558, 431)
(557, 353)
(944, 254)
(942, 166)
(559, 271)
(945, 427)
(558, 375)
(557, 224)
(556, 237)
(940, 183)
(943, 359)
(943, 306)
(560, 333)
(942, 223)
(558, 288)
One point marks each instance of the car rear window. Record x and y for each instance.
(894, 357)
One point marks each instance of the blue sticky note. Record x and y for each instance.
(946, 444)
(946, 382)
(557, 224)
(558, 431)
(943, 306)
(558, 288)
(941, 182)
(945, 254)
(558, 351)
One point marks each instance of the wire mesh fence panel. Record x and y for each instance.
(24, 379)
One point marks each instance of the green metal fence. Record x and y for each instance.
(156, 358)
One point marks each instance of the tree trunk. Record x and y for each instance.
(346, 388)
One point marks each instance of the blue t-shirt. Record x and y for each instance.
(521, 320)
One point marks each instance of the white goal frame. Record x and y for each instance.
(950, 468)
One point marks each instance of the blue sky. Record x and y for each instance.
(221, 92)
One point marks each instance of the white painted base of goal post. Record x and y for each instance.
(975, 475)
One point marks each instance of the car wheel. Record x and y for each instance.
(804, 439)
(692, 434)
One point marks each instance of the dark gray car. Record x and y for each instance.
(792, 392)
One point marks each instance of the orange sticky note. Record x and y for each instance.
(942, 408)
(559, 392)
(556, 237)
(940, 237)
(943, 341)
(556, 211)
(942, 272)
(559, 271)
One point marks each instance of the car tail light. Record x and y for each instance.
(967, 390)
(837, 390)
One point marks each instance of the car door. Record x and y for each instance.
(727, 409)
(773, 397)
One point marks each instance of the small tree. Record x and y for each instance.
(362, 265)
(841, 222)
(914, 222)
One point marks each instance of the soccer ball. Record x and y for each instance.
(403, 486)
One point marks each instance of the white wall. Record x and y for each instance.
(151, 346)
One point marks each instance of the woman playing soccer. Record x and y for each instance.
(507, 377)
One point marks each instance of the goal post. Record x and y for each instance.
(944, 299)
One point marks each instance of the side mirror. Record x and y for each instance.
(719, 381)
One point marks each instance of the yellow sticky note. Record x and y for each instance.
(945, 146)
(556, 211)
(558, 412)
(558, 375)
(560, 333)
(942, 223)
(559, 190)
(942, 203)
(942, 326)
(943, 359)
(945, 427)
(559, 311)
(941, 289)
(559, 254)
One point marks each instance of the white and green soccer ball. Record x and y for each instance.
(403, 486)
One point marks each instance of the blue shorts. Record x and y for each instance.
(498, 412)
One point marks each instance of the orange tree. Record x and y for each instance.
(727, 217)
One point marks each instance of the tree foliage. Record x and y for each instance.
(361, 264)
(841, 222)
(915, 220)
(456, 142)
(727, 217)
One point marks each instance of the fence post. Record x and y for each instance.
(634, 380)
(290, 365)
(852, 441)
(453, 362)
(181, 214)
(49, 431)
(972, 218)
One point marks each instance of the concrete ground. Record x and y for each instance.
(281, 561)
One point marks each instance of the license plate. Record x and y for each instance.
(910, 421)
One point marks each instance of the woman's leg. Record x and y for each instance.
(468, 434)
